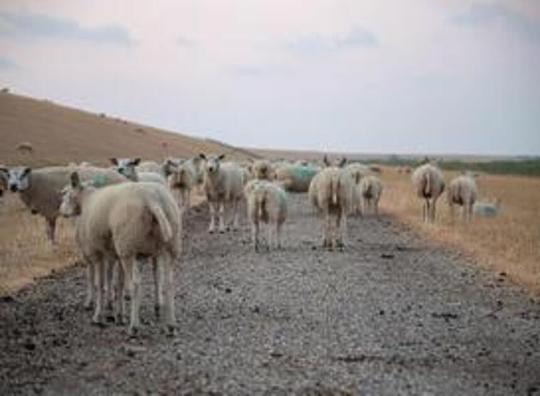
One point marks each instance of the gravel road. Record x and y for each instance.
(389, 315)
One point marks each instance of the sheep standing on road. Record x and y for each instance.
(262, 170)
(266, 203)
(223, 184)
(357, 172)
(125, 222)
(40, 189)
(181, 179)
(332, 192)
(370, 191)
(462, 191)
(428, 182)
(128, 168)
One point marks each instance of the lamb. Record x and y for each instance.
(462, 191)
(223, 183)
(262, 170)
(127, 167)
(428, 182)
(332, 192)
(267, 203)
(125, 222)
(370, 190)
(295, 178)
(487, 209)
(40, 189)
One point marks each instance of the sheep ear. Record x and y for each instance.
(75, 180)
(325, 160)
(26, 171)
(202, 156)
(4, 169)
(136, 161)
(221, 157)
(342, 162)
(114, 161)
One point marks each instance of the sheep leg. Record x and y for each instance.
(270, 232)
(235, 215)
(100, 278)
(131, 271)
(109, 282)
(433, 207)
(158, 282)
(51, 227)
(221, 217)
(255, 235)
(90, 285)
(119, 287)
(167, 263)
(212, 208)
(376, 208)
(327, 231)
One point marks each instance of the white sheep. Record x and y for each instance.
(370, 191)
(126, 222)
(40, 189)
(262, 170)
(332, 193)
(428, 183)
(128, 168)
(223, 184)
(462, 191)
(266, 203)
(181, 179)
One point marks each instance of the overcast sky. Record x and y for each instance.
(411, 76)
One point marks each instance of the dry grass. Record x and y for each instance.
(509, 243)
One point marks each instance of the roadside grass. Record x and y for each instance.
(508, 243)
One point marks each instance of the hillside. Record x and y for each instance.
(59, 134)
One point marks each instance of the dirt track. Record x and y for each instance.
(390, 315)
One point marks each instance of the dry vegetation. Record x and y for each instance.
(509, 243)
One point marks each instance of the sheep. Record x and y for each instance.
(127, 168)
(40, 189)
(223, 183)
(24, 148)
(180, 178)
(370, 190)
(428, 182)
(462, 191)
(332, 192)
(487, 209)
(149, 166)
(4, 177)
(295, 178)
(357, 172)
(262, 170)
(126, 222)
(267, 203)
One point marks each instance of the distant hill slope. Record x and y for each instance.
(59, 134)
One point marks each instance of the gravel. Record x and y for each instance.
(390, 314)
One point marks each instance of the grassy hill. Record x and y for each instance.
(59, 134)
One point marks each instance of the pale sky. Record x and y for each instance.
(390, 76)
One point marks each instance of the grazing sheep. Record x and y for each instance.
(262, 170)
(267, 203)
(332, 192)
(127, 221)
(40, 189)
(128, 168)
(223, 183)
(295, 178)
(462, 191)
(25, 148)
(487, 209)
(428, 182)
(370, 190)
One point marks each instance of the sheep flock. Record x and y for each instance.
(131, 213)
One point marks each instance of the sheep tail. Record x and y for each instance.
(164, 225)
(427, 184)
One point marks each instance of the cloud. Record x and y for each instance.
(186, 42)
(31, 25)
(7, 64)
(487, 14)
(316, 43)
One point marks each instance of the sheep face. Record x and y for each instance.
(126, 167)
(72, 197)
(213, 163)
(19, 178)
